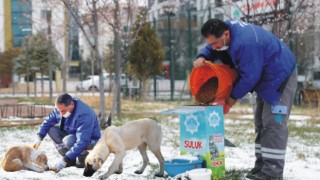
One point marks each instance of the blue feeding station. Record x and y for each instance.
(201, 134)
(182, 164)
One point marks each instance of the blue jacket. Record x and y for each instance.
(82, 122)
(261, 59)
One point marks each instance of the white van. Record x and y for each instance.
(91, 83)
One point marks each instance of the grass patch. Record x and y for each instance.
(308, 133)
(36, 100)
(154, 167)
(234, 175)
(94, 101)
(301, 155)
(132, 116)
(314, 120)
(138, 106)
(305, 110)
(239, 133)
(15, 128)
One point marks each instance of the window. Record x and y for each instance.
(74, 72)
(201, 5)
(21, 21)
(218, 3)
(219, 16)
(316, 75)
(43, 14)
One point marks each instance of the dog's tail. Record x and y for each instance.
(14, 165)
(2, 161)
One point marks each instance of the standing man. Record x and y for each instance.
(77, 132)
(267, 66)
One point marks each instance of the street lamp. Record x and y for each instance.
(170, 8)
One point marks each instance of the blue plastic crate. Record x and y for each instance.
(178, 165)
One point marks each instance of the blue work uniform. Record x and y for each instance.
(82, 124)
(267, 66)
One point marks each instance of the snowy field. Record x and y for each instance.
(302, 158)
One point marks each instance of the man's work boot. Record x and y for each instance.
(81, 159)
(71, 163)
(253, 173)
(263, 176)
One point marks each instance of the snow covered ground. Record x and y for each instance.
(302, 158)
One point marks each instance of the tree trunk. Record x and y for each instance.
(42, 86)
(110, 87)
(50, 55)
(117, 47)
(35, 85)
(100, 65)
(28, 87)
(66, 53)
(145, 88)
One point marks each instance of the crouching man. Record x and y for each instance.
(77, 131)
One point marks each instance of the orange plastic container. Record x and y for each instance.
(226, 77)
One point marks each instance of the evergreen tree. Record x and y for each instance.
(146, 54)
(35, 56)
(6, 60)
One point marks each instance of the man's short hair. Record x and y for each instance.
(214, 27)
(65, 99)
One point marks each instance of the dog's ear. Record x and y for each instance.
(42, 158)
(100, 161)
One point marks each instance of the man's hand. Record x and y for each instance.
(199, 62)
(60, 165)
(230, 101)
(37, 143)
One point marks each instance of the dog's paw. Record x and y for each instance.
(103, 177)
(138, 172)
(118, 172)
(54, 169)
(40, 170)
(182, 176)
(159, 175)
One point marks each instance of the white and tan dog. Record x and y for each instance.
(140, 133)
(24, 157)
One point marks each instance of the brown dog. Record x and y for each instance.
(24, 157)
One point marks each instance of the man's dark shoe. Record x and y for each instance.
(263, 176)
(81, 159)
(71, 163)
(80, 165)
(253, 173)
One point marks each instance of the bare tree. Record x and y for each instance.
(120, 17)
(292, 21)
(282, 17)
(87, 15)
(75, 7)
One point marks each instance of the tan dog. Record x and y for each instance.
(19, 157)
(141, 133)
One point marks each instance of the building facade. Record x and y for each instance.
(16, 23)
(19, 19)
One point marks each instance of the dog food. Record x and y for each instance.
(207, 92)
